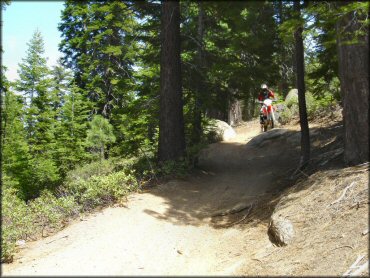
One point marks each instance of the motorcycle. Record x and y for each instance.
(267, 116)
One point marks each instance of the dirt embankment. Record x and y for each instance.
(215, 222)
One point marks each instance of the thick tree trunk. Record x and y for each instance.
(299, 53)
(197, 125)
(354, 85)
(171, 121)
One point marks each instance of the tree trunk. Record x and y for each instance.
(197, 126)
(284, 67)
(171, 122)
(299, 53)
(235, 112)
(354, 85)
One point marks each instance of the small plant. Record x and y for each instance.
(50, 211)
(86, 171)
(17, 222)
(101, 190)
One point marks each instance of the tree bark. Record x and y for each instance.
(299, 53)
(284, 67)
(354, 84)
(171, 122)
(197, 124)
(235, 112)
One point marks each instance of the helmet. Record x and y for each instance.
(263, 86)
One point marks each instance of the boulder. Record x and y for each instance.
(280, 230)
(221, 131)
(264, 137)
(292, 96)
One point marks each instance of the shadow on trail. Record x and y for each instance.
(232, 174)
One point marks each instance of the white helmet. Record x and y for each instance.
(263, 86)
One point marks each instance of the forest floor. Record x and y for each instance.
(215, 222)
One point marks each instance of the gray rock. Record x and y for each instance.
(280, 230)
(292, 96)
(221, 131)
(266, 136)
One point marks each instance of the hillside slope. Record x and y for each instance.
(215, 222)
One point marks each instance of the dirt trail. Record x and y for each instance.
(172, 229)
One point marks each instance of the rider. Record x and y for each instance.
(264, 94)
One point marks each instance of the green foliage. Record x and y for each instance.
(15, 150)
(71, 131)
(101, 190)
(172, 169)
(84, 189)
(99, 48)
(291, 100)
(85, 172)
(49, 211)
(16, 219)
(100, 134)
(180, 169)
(210, 133)
(313, 105)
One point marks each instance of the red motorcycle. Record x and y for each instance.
(267, 116)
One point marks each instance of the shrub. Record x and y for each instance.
(50, 211)
(17, 222)
(210, 131)
(286, 116)
(101, 190)
(313, 106)
(85, 188)
(86, 171)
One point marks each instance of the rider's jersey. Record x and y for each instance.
(265, 94)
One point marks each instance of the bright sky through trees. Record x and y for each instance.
(20, 20)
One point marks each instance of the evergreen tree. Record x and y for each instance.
(299, 51)
(14, 148)
(71, 110)
(100, 135)
(171, 125)
(353, 56)
(35, 85)
(99, 48)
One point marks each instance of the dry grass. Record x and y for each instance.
(328, 205)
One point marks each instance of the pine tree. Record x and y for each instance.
(171, 124)
(299, 51)
(100, 135)
(353, 56)
(14, 148)
(99, 47)
(35, 85)
(71, 110)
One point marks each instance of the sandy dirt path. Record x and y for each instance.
(171, 229)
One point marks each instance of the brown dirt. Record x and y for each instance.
(177, 228)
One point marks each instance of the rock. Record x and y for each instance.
(221, 131)
(20, 242)
(292, 96)
(280, 230)
(272, 134)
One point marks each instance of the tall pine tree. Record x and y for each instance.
(34, 84)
